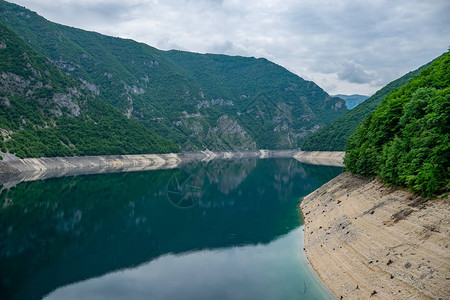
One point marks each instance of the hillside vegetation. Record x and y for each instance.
(44, 112)
(334, 136)
(199, 101)
(406, 140)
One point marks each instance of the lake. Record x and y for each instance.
(217, 230)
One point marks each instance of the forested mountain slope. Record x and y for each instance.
(406, 140)
(200, 101)
(44, 112)
(334, 136)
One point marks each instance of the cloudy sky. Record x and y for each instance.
(345, 46)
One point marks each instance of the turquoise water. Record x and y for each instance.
(217, 230)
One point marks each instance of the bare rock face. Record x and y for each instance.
(91, 87)
(229, 133)
(338, 104)
(221, 102)
(5, 101)
(134, 89)
(228, 126)
(64, 101)
(203, 104)
(67, 66)
(226, 134)
(13, 83)
(17, 85)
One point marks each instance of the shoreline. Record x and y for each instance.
(328, 158)
(366, 240)
(14, 170)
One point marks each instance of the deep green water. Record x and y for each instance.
(217, 230)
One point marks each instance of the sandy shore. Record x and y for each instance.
(369, 241)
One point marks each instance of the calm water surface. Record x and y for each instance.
(217, 230)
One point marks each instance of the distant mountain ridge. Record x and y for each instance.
(352, 100)
(199, 101)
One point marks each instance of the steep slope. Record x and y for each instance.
(334, 136)
(199, 101)
(351, 101)
(361, 237)
(276, 107)
(406, 140)
(44, 112)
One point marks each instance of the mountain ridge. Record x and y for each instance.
(199, 101)
(45, 112)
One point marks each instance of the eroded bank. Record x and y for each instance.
(366, 240)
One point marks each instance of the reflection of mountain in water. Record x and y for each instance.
(228, 175)
(63, 230)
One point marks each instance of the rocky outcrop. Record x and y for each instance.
(228, 134)
(367, 241)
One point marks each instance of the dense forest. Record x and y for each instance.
(406, 140)
(199, 101)
(334, 136)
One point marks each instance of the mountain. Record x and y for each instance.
(44, 112)
(406, 140)
(334, 136)
(199, 101)
(352, 100)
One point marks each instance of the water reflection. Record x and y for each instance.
(60, 231)
(262, 271)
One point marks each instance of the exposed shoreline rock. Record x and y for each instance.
(328, 158)
(366, 240)
(14, 170)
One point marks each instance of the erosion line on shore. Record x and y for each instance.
(366, 240)
(14, 170)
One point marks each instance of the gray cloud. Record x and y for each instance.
(354, 73)
(223, 47)
(346, 46)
